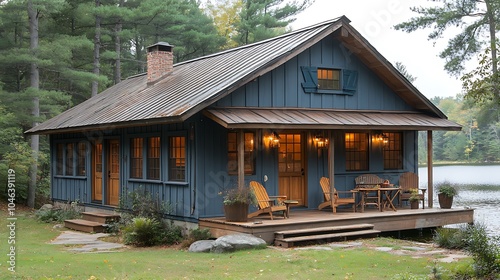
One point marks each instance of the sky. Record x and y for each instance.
(375, 19)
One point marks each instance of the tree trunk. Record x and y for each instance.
(490, 11)
(118, 62)
(97, 46)
(35, 84)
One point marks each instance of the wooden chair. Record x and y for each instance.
(407, 182)
(336, 201)
(266, 203)
(369, 181)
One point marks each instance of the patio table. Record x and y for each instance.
(384, 197)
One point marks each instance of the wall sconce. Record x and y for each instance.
(381, 138)
(321, 142)
(274, 140)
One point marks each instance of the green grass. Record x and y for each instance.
(37, 259)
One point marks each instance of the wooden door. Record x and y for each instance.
(97, 172)
(113, 170)
(291, 166)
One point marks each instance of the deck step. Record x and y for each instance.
(291, 238)
(103, 218)
(84, 225)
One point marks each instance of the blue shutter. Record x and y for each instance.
(310, 84)
(350, 81)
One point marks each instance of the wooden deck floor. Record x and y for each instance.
(386, 221)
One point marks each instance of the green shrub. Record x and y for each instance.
(142, 231)
(450, 238)
(171, 234)
(195, 235)
(485, 252)
(68, 211)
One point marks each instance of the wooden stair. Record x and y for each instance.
(92, 222)
(291, 238)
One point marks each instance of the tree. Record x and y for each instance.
(263, 19)
(402, 69)
(477, 18)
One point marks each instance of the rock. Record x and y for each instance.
(46, 207)
(58, 226)
(201, 246)
(233, 242)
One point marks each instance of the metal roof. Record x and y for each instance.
(196, 84)
(298, 118)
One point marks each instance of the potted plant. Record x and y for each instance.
(446, 192)
(414, 198)
(236, 202)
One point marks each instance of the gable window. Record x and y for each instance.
(393, 151)
(177, 159)
(148, 148)
(232, 153)
(329, 79)
(356, 150)
(136, 146)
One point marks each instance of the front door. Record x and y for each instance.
(291, 165)
(113, 171)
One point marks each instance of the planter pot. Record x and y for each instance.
(414, 204)
(445, 201)
(236, 212)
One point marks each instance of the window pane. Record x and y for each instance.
(356, 149)
(393, 151)
(69, 159)
(136, 145)
(81, 161)
(232, 153)
(154, 158)
(177, 159)
(59, 159)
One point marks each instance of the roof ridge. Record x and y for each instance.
(291, 33)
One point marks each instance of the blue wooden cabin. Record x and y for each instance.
(319, 101)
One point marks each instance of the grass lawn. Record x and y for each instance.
(36, 259)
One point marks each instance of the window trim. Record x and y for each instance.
(144, 159)
(251, 153)
(348, 80)
(168, 158)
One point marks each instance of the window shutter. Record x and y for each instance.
(310, 83)
(350, 80)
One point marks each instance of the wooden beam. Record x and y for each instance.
(331, 161)
(241, 158)
(430, 187)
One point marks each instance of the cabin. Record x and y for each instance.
(319, 101)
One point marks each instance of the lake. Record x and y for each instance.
(480, 189)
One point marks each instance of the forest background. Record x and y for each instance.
(55, 54)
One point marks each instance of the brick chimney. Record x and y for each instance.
(160, 61)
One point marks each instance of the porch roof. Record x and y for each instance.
(305, 118)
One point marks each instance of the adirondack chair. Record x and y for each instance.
(337, 200)
(407, 182)
(267, 204)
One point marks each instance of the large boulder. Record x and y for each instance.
(233, 242)
(201, 246)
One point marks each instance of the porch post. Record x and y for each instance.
(331, 169)
(241, 158)
(430, 187)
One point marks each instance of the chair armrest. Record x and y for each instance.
(278, 196)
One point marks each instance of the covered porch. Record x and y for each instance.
(386, 221)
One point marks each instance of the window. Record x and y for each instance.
(356, 149)
(393, 151)
(177, 159)
(59, 159)
(136, 146)
(329, 79)
(69, 159)
(232, 153)
(81, 158)
(153, 164)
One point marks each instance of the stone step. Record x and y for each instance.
(100, 217)
(84, 225)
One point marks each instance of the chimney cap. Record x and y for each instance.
(159, 46)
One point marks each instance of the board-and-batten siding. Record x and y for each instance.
(282, 87)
